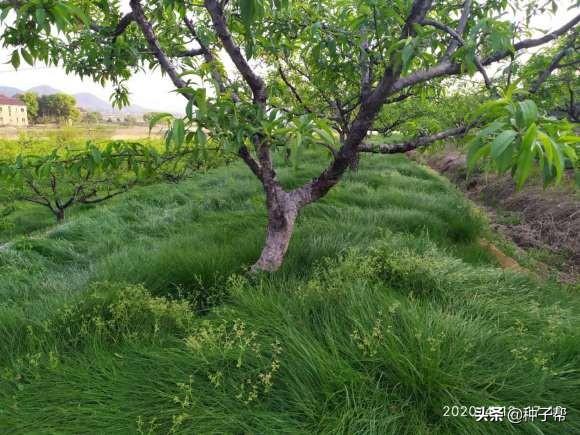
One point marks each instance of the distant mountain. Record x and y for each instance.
(85, 100)
(44, 90)
(9, 91)
(93, 103)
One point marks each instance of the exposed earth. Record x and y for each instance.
(544, 222)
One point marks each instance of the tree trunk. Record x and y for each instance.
(282, 213)
(59, 213)
(353, 166)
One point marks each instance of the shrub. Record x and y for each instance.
(110, 313)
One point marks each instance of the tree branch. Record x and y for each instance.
(122, 25)
(369, 109)
(190, 53)
(220, 80)
(37, 201)
(548, 71)
(461, 26)
(460, 42)
(154, 45)
(388, 128)
(208, 56)
(445, 28)
(534, 42)
(567, 64)
(292, 89)
(365, 66)
(254, 81)
(421, 141)
(446, 68)
(102, 198)
(245, 155)
(399, 98)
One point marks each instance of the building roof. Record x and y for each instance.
(4, 100)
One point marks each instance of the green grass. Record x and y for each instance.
(138, 316)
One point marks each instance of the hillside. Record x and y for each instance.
(85, 100)
(138, 317)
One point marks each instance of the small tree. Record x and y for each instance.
(94, 174)
(130, 120)
(59, 107)
(327, 71)
(31, 101)
(92, 117)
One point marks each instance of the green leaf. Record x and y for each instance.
(15, 59)
(178, 132)
(526, 113)
(501, 142)
(186, 91)
(201, 138)
(570, 139)
(548, 173)
(27, 57)
(554, 158)
(157, 118)
(189, 109)
(570, 153)
(40, 15)
(530, 137)
(489, 107)
(505, 160)
(547, 146)
(248, 11)
(96, 155)
(201, 101)
(407, 54)
(294, 147)
(61, 15)
(325, 136)
(524, 165)
(491, 128)
(477, 150)
(79, 13)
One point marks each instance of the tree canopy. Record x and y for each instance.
(58, 107)
(31, 101)
(305, 73)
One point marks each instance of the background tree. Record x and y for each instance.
(92, 117)
(129, 120)
(93, 174)
(59, 108)
(327, 72)
(552, 78)
(31, 101)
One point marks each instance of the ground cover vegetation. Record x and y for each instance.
(373, 328)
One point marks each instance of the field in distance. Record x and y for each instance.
(92, 131)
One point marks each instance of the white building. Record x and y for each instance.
(13, 112)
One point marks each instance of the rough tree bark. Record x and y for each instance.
(283, 210)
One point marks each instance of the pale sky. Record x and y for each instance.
(150, 89)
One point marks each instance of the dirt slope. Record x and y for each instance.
(544, 221)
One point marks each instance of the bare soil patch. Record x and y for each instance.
(544, 221)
